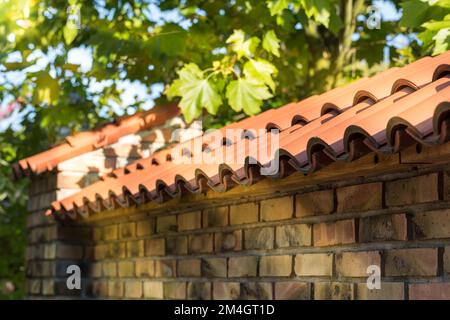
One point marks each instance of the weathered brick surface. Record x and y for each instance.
(214, 267)
(276, 266)
(153, 290)
(199, 290)
(446, 185)
(429, 291)
(155, 247)
(242, 266)
(383, 228)
(259, 238)
(133, 289)
(165, 268)
(189, 221)
(189, 268)
(145, 228)
(355, 264)
(388, 291)
(256, 291)
(447, 259)
(111, 232)
(228, 241)
(292, 290)
(174, 290)
(294, 235)
(145, 268)
(226, 290)
(135, 248)
(412, 190)
(314, 203)
(201, 243)
(115, 289)
(177, 245)
(359, 197)
(166, 223)
(127, 230)
(244, 213)
(411, 262)
(314, 264)
(126, 268)
(431, 224)
(334, 291)
(215, 217)
(277, 209)
(333, 233)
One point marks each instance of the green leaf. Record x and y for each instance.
(247, 95)
(276, 7)
(47, 89)
(414, 13)
(271, 43)
(196, 92)
(336, 23)
(242, 46)
(319, 10)
(260, 71)
(442, 40)
(70, 32)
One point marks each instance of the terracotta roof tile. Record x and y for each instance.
(383, 114)
(83, 142)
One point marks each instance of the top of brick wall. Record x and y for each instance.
(385, 114)
(84, 142)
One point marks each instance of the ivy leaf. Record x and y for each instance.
(246, 94)
(242, 46)
(196, 92)
(271, 43)
(260, 71)
(276, 7)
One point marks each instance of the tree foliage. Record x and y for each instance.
(220, 60)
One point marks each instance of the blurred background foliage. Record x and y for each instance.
(70, 65)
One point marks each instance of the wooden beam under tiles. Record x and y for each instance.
(369, 167)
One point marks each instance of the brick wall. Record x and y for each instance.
(311, 243)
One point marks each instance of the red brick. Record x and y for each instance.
(292, 290)
(333, 233)
(383, 228)
(242, 266)
(259, 238)
(412, 190)
(388, 291)
(355, 264)
(431, 224)
(314, 203)
(226, 290)
(359, 197)
(275, 266)
(277, 209)
(244, 213)
(189, 221)
(215, 217)
(314, 264)
(411, 262)
(429, 291)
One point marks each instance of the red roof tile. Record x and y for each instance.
(83, 142)
(383, 114)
